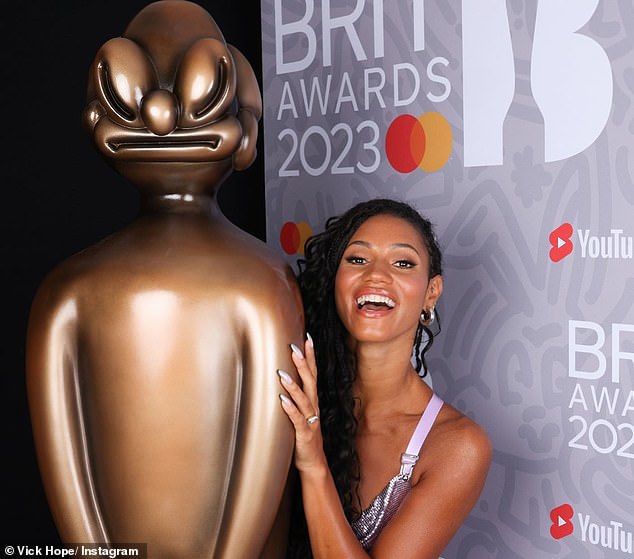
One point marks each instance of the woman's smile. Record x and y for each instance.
(382, 279)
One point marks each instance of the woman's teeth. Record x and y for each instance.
(376, 299)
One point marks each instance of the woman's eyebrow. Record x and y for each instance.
(362, 243)
(393, 245)
(404, 245)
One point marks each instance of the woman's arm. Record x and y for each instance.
(452, 471)
(329, 531)
(450, 477)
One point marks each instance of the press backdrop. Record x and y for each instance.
(511, 126)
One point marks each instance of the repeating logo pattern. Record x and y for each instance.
(561, 518)
(423, 142)
(560, 241)
(293, 236)
(511, 126)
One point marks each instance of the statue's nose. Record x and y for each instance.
(159, 111)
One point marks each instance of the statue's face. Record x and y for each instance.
(165, 101)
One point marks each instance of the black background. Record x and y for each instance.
(58, 196)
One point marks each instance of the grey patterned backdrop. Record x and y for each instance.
(527, 110)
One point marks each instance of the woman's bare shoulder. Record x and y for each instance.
(449, 479)
(460, 442)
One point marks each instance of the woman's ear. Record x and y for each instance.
(434, 290)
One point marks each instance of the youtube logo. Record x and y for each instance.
(561, 245)
(561, 517)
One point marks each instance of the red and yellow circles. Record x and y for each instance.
(293, 236)
(423, 142)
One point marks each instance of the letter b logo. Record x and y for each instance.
(570, 76)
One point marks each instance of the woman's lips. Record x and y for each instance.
(375, 300)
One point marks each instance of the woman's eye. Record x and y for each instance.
(355, 260)
(405, 264)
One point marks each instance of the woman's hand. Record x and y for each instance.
(302, 407)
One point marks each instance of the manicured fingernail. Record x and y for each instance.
(310, 340)
(297, 351)
(286, 401)
(286, 378)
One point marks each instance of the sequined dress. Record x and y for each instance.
(373, 519)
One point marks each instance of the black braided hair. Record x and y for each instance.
(335, 363)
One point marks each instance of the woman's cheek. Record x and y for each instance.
(343, 297)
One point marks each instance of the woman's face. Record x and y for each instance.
(382, 282)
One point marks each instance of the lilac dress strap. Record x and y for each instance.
(368, 525)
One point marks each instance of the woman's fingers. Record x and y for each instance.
(301, 406)
(301, 403)
(291, 410)
(307, 369)
(308, 441)
(309, 352)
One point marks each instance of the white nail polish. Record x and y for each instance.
(297, 351)
(286, 378)
(285, 399)
(310, 340)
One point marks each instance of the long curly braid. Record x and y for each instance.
(335, 363)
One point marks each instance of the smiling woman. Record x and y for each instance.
(376, 273)
(389, 469)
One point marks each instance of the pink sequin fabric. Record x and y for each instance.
(372, 520)
(368, 525)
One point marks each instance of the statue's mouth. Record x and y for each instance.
(164, 150)
(212, 142)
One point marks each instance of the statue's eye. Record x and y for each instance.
(206, 82)
(123, 75)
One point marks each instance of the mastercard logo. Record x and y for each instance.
(423, 142)
(293, 236)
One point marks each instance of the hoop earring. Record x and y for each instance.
(427, 317)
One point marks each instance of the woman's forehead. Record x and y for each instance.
(389, 229)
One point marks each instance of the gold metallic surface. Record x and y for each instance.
(152, 355)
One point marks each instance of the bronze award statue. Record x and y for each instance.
(152, 355)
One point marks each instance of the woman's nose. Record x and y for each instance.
(379, 271)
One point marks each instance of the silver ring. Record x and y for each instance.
(310, 420)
